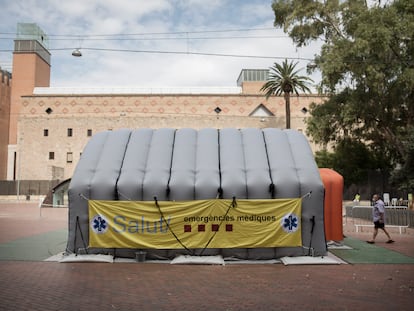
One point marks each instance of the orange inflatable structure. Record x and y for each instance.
(334, 186)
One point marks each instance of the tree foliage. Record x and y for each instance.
(404, 175)
(285, 79)
(367, 66)
(351, 159)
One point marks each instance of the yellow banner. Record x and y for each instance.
(196, 224)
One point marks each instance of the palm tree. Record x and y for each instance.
(285, 79)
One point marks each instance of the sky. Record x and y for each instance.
(152, 43)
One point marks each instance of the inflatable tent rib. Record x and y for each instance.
(188, 165)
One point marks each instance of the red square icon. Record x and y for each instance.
(229, 227)
(187, 228)
(201, 228)
(214, 227)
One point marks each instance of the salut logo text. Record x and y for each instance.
(120, 224)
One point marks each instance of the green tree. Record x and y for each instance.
(367, 67)
(285, 79)
(351, 159)
(404, 175)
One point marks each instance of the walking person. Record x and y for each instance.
(378, 216)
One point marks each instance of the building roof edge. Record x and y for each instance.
(134, 90)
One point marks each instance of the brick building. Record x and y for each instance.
(5, 96)
(48, 127)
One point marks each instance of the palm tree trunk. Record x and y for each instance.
(287, 106)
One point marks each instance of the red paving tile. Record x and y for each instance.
(20, 220)
(81, 286)
(130, 286)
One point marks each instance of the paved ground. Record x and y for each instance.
(37, 285)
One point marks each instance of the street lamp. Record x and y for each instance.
(76, 53)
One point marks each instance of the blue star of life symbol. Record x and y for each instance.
(99, 224)
(290, 223)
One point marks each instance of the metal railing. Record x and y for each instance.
(395, 216)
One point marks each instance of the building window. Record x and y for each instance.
(70, 132)
(89, 132)
(69, 157)
(45, 132)
(51, 155)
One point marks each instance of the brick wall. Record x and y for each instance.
(5, 93)
(100, 113)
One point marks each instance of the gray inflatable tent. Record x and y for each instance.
(188, 164)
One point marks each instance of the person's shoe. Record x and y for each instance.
(390, 241)
(370, 242)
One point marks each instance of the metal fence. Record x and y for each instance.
(26, 187)
(395, 216)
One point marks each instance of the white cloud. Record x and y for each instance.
(70, 24)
